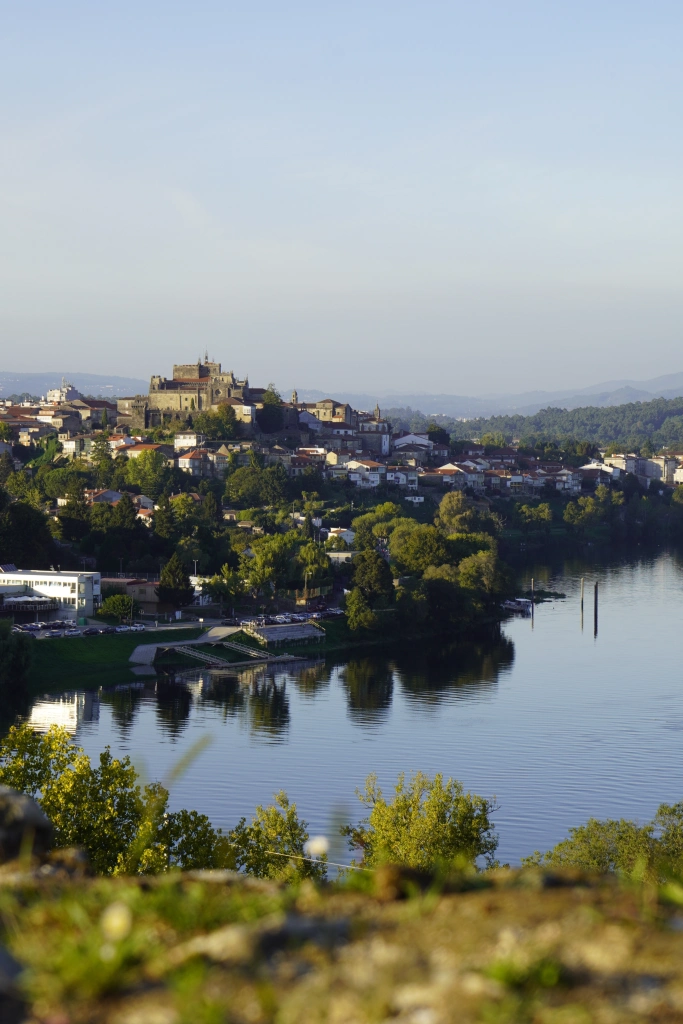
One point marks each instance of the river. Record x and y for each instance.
(557, 723)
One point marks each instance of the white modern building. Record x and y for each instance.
(76, 594)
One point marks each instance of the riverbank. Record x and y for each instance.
(88, 662)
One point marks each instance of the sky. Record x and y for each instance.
(440, 196)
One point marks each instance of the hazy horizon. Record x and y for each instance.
(395, 197)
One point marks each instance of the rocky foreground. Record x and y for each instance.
(208, 947)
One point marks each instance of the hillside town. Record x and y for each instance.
(326, 438)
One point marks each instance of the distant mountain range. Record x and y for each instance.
(87, 383)
(528, 403)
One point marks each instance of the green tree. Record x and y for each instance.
(75, 515)
(100, 451)
(417, 547)
(6, 467)
(437, 434)
(274, 844)
(219, 424)
(119, 606)
(359, 614)
(271, 418)
(5, 432)
(149, 472)
(428, 822)
(16, 658)
(164, 518)
(103, 419)
(227, 585)
(123, 828)
(373, 578)
(174, 584)
(484, 577)
(211, 512)
(124, 514)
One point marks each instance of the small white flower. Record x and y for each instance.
(116, 922)
(318, 846)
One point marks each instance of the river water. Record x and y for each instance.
(555, 722)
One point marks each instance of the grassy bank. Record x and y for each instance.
(90, 661)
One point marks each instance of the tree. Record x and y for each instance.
(219, 424)
(148, 471)
(101, 808)
(174, 584)
(226, 585)
(652, 851)
(373, 578)
(270, 418)
(164, 518)
(211, 511)
(274, 844)
(16, 658)
(119, 606)
(124, 514)
(75, 515)
(437, 434)
(103, 419)
(6, 467)
(24, 535)
(359, 614)
(418, 546)
(483, 575)
(5, 432)
(428, 822)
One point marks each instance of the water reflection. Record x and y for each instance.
(428, 674)
(369, 684)
(68, 710)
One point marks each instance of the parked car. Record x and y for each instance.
(106, 629)
(137, 627)
(122, 629)
(90, 631)
(51, 633)
(72, 632)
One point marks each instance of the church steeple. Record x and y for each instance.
(377, 413)
(295, 398)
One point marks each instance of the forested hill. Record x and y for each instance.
(659, 423)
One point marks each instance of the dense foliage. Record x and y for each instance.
(428, 822)
(656, 423)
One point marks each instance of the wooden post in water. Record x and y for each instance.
(582, 583)
(595, 611)
(533, 589)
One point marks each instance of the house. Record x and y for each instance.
(347, 535)
(460, 476)
(188, 439)
(142, 591)
(104, 496)
(137, 449)
(402, 476)
(366, 473)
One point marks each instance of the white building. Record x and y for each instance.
(77, 594)
(188, 439)
(67, 393)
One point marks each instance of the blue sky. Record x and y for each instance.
(443, 197)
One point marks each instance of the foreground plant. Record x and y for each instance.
(428, 822)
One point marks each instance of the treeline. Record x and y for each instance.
(631, 426)
(624, 514)
(449, 572)
(425, 824)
